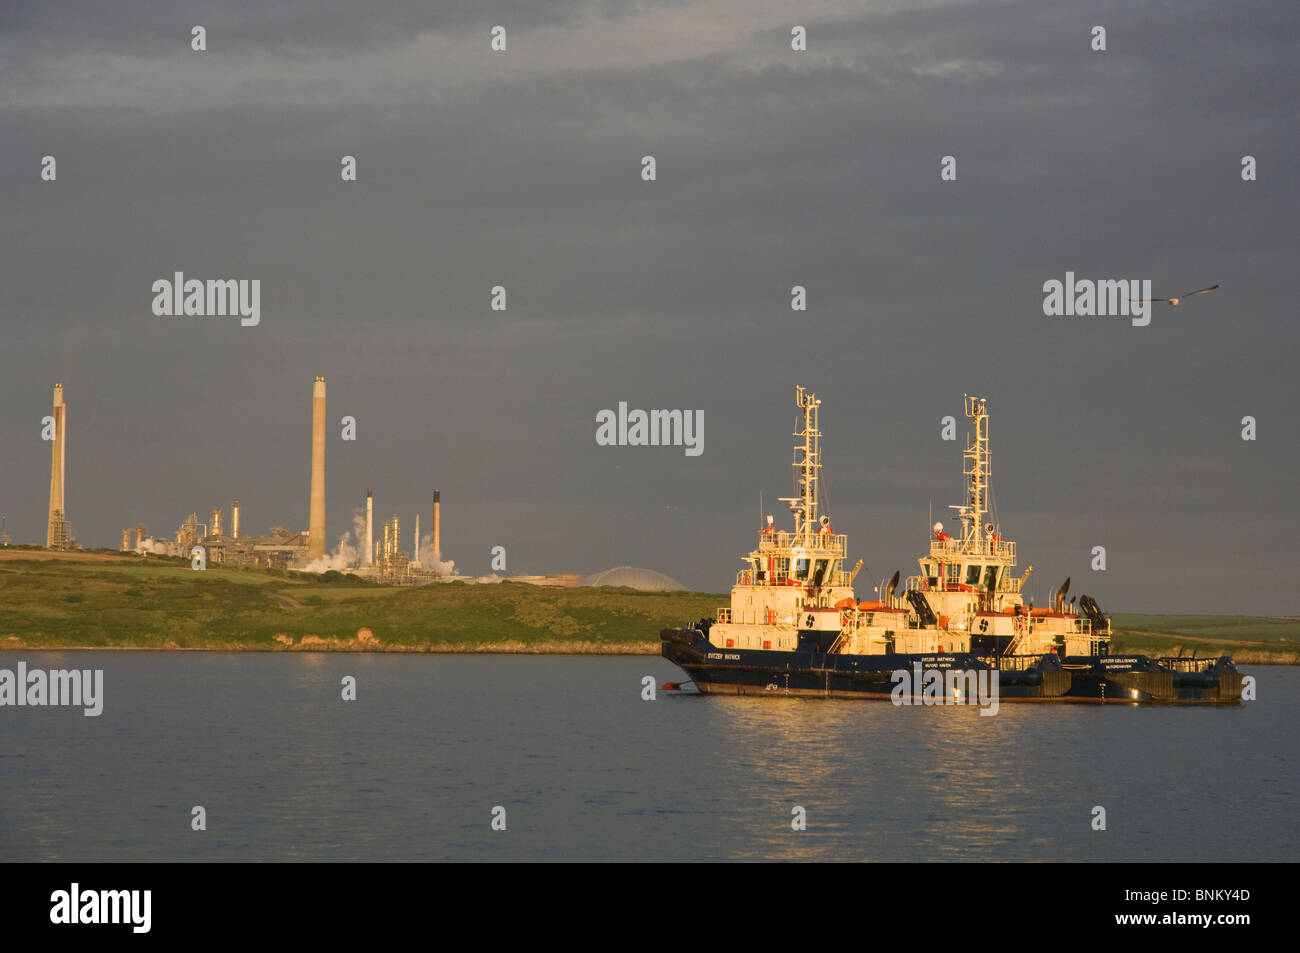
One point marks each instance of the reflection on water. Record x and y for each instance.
(588, 771)
(881, 782)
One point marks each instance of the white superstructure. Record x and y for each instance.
(966, 597)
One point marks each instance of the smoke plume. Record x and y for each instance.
(444, 567)
(348, 553)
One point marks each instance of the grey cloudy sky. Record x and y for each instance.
(775, 168)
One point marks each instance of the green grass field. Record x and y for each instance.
(108, 600)
(1257, 639)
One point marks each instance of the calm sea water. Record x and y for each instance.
(588, 771)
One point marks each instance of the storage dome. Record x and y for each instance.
(633, 578)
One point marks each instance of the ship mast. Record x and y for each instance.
(807, 465)
(976, 471)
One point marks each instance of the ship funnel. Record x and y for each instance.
(1060, 594)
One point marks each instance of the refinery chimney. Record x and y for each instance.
(437, 528)
(215, 528)
(234, 519)
(415, 553)
(56, 531)
(369, 557)
(316, 522)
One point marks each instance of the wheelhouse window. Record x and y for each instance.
(954, 574)
(801, 568)
(990, 576)
(973, 574)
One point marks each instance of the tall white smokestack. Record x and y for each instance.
(58, 450)
(370, 529)
(437, 527)
(316, 522)
(234, 519)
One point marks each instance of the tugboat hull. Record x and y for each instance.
(810, 674)
(829, 675)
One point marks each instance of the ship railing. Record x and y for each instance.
(747, 577)
(996, 548)
(829, 544)
(1016, 663)
(769, 617)
(1185, 663)
(1011, 584)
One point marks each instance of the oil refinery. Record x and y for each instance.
(223, 541)
(382, 560)
(377, 553)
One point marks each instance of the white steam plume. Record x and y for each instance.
(348, 554)
(444, 567)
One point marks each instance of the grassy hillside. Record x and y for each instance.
(1254, 639)
(109, 600)
(112, 601)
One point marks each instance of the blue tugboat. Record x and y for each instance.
(959, 632)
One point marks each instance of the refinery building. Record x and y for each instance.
(382, 558)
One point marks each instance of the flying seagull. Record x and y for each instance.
(1174, 301)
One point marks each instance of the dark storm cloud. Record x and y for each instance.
(311, 25)
(775, 169)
